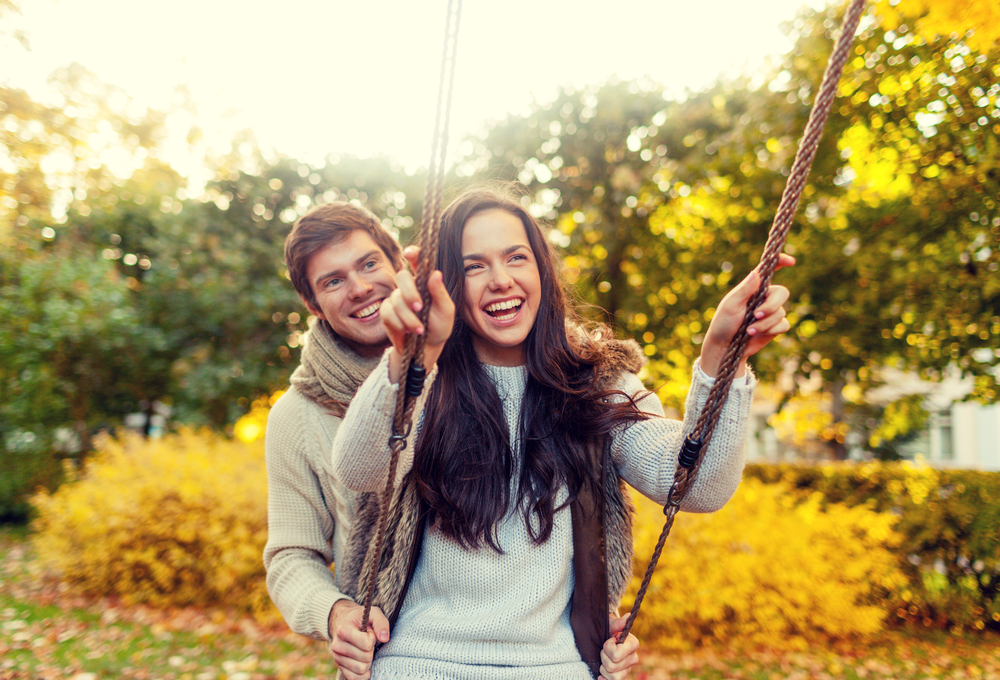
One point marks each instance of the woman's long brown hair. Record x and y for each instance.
(464, 461)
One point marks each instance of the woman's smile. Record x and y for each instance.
(502, 286)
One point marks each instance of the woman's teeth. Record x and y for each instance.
(369, 310)
(505, 310)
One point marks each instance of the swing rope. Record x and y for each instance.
(689, 460)
(412, 362)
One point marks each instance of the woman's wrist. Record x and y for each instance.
(712, 357)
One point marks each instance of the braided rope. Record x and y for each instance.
(414, 349)
(699, 438)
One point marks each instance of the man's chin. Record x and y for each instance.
(368, 341)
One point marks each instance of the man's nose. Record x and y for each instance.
(360, 286)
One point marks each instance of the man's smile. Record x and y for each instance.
(367, 311)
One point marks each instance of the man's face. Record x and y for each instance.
(350, 279)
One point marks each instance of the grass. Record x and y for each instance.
(48, 633)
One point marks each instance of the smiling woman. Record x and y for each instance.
(502, 286)
(530, 426)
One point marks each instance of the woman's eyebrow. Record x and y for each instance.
(506, 251)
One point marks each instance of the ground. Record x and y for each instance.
(47, 632)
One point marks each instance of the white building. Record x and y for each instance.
(959, 434)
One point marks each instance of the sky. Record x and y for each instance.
(316, 77)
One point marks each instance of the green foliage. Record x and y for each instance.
(950, 521)
(66, 353)
(203, 278)
(911, 244)
(900, 422)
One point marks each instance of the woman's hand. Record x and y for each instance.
(769, 323)
(400, 317)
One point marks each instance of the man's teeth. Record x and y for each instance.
(369, 310)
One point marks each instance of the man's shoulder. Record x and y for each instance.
(296, 415)
(294, 405)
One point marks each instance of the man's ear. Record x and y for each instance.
(312, 310)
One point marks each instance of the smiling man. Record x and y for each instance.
(343, 265)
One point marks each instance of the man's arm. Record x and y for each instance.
(617, 659)
(352, 648)
(301, 525)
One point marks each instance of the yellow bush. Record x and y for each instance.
(175, 521)
(250, 427)
(765, 571)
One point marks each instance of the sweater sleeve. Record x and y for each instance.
(645, 452)
(361, 448)
(298, 553)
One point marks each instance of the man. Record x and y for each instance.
(342, 264)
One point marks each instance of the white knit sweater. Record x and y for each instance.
(479, 615)
(308, 514)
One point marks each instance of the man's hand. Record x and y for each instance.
(353, 649)
(399, 315)
(617, 659)
(769, 320)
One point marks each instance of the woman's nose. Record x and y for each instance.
(501, 279)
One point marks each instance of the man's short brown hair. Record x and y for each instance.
(326, 224)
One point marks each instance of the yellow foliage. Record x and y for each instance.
(944, 17)
(250, 427)
(878, 175)
(900, 417)
(174, 521)
(765, 571)
(805, 421)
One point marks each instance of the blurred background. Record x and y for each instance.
(153, 159)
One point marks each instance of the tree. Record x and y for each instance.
(65, 342)
(977, 20)
(661, 205)
(607, 165)
(910, 244)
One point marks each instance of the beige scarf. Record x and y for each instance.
(330, 372)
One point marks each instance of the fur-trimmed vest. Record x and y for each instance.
(602, 535)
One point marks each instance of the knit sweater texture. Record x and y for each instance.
(309, 515)
(480, 615)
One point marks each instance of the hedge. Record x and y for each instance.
(949, 521)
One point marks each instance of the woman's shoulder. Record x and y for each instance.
(610, 356)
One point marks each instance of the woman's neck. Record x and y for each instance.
(494, 355)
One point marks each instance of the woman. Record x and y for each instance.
(524, 544)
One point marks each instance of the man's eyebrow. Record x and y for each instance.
(366, 256)
(361, 260)
(506, 251)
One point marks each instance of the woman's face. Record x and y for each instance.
(502, 286)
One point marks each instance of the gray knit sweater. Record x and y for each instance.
(308, 514)
(479, 615)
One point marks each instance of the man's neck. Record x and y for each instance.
(366, 351)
